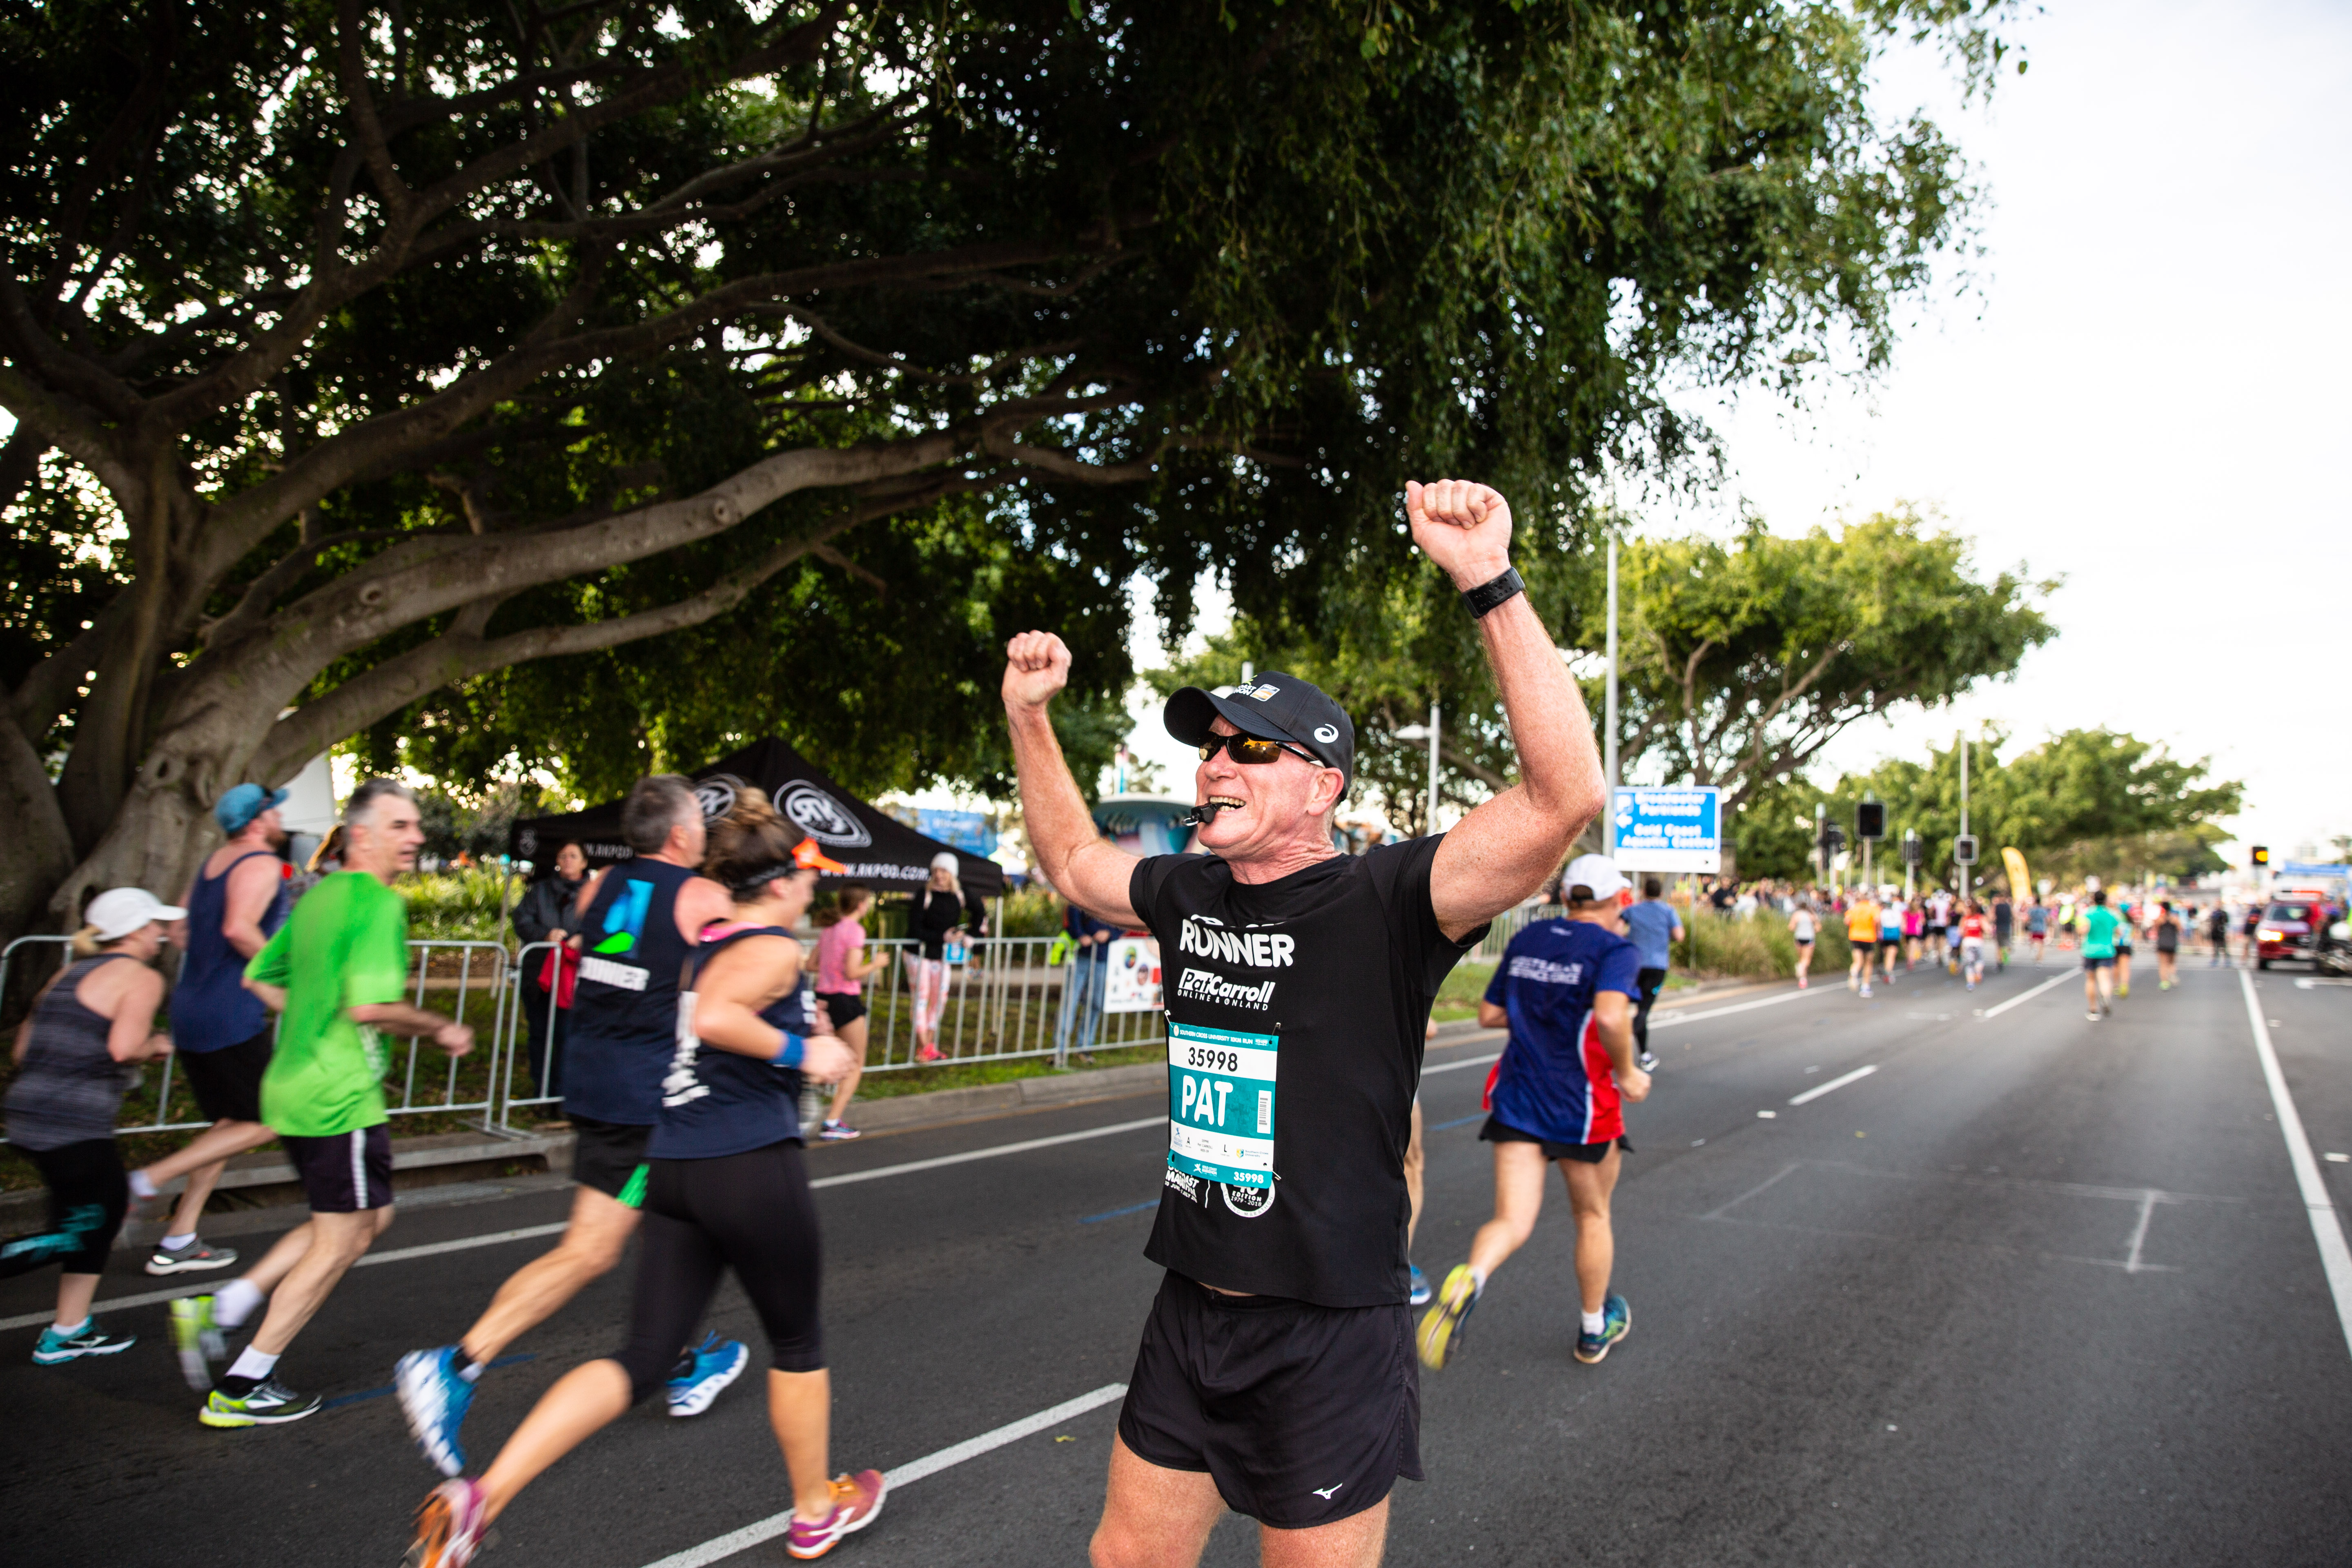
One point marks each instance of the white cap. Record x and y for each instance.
(119, 911)
(1597, 872)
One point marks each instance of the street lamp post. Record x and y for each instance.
(1609, 716)
(1426, 732)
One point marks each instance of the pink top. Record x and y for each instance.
(834, 944)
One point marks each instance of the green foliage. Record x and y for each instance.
(458, 905)
(2085, 800)
(1756, 946)
(1031, 912)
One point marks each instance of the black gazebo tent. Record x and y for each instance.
(883, 853)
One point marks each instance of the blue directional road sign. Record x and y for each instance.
(1669, 829)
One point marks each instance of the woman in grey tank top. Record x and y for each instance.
(76, 1055)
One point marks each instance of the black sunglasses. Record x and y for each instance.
(1253, 748)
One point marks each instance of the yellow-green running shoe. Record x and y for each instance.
(1440, 1326)
(198, 1340)
(271, 1403)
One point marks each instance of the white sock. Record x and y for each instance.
(253, 1364)
(234, 1303)
(1478, 1277)
(173, 1243)
(67, 1331)
(140, 1186)
(1595, 1323)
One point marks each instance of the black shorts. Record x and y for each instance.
(228, 1082)
(842, 1009)
(2090, 963)
(1302, 1415)
(1589, 1153)
(609, 1156)
(1862, 943)
(346, 1172)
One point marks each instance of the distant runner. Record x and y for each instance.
(1565, 989)
(2167, 947)
(1862, 938)
(2037, 927)
(1972, 943)
(2217, 933)
(2099, 923)
(1801, 926)
(1655, 927)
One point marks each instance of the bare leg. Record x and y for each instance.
(1412, 1163)
(852, 1035)
(1153, 1518)
(191, 1206)
(583, 1401)
(1518, 1199)
(279, 1260)
(800, 1407)
(337, 1241)
(1355, 1542)
(601, 1226)
(1589, 1189)
(210, 1147)
(2090, 989)
(74, 1291)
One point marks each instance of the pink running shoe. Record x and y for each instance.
(449, 1526)
(929, 1054)
(855, 1500)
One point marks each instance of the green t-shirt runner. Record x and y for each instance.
(344, 946)
(2099, 923)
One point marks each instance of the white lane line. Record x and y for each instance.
(991, 1153)
(1820, 1090)
(1464, 1062)
(2326, 1225)
(768, 1528)
(1685, 1015)
(393, 1255)
(1990, 1014)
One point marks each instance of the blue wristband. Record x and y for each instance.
(790, 1056)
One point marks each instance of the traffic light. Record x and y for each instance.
(1833, 839)
(1870, 819)
(1964, 849)
(1915, 849)
(2262, 855)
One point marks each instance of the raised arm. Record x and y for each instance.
(1083, 867)
(1502, 851)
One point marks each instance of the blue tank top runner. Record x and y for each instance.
(715, 1102)
(211, 1008)
(625, 1007)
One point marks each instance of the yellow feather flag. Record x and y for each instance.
(2021, 885)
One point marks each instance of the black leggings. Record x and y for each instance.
(1645, 981)
(750, 1212)
(89, 1196)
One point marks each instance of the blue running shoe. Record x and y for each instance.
(88, 1340)
(707, 1368)
(1421, 1291)
(1616, 1317)
(434, 1398)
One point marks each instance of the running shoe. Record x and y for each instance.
(1616, 1317)
(1440, 1326)
(1420, 1294)
(1865, 990)
(449, 1525)
(2093, 1017)
(1647, 1061)
(434, 1398)
(929, 1054)
(271, 1403)
(88, 1340)
(707, 1368)
(194, 1259)
(836, 1132)
(198, 1340)
(855, 1500)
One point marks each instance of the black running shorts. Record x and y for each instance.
(1494, 1132)
(842, 1008)
(2090, 963)
(1302, 1415)
(346, 1172)
(607, 1156)
(228, 1082)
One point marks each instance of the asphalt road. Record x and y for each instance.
(2034, 1290)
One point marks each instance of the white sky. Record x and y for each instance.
(2145, 396)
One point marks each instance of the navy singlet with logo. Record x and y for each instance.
(625, 1006)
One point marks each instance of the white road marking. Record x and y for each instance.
(2022, 998)
(768, 1528)
(2326, 1226)
(1465, 1062)
(1820, 1090)
(991, 1153)
(2139, 1233)
(1685, 1015)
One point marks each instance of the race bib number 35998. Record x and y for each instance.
(1221, 1104)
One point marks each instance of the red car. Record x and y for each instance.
(2291, 927)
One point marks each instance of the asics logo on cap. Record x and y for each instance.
(1325, 733)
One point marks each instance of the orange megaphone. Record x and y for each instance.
(809, 858)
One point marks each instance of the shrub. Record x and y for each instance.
(1757, 946)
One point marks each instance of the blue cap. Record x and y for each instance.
(243, 804)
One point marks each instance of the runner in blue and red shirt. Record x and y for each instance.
(1567, 988)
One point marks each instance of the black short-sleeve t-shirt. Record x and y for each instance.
(1295, 1011)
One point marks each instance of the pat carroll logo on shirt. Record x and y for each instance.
(1200, 986)
(1545, 970)
(1251, 949)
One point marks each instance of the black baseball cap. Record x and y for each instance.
(1273, 707)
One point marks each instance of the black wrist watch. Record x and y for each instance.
(1493, 592)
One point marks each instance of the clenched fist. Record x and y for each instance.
(1036, 666)
(1463, 527)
